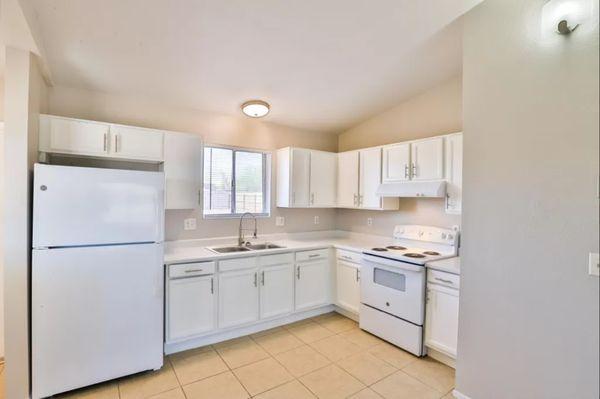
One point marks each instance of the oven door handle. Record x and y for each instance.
(390, 264)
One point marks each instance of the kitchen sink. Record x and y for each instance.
(263, 246)
(226, 250)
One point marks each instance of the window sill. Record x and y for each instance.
(236, 216)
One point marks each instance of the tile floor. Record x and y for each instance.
(324, 357)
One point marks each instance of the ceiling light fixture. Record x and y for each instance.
(256, 108)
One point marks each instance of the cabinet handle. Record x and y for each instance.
(346, 257)
(414, 170)
(256, 279)
(360, 200)
(406, 170)
(200, 197)
(262, 277)
(314, 256)
(105, 142)
(357, 275)
(193, 271)
(212, 285)
(312, 198)
(443, 280)
(298, 272)
(293, 198)
(116, 143)
(355, 200)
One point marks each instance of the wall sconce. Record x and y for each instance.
(564, 16)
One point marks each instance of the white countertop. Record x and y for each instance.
(196, 250)
(450, 265)
(185, 251)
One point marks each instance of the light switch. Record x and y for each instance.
(594, 264)
(189, 224)
(316, 220)
(279, 221)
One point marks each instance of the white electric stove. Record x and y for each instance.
(393, 283)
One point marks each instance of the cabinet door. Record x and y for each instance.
(441, 325)
(72, 136)
(427, 158)
(238, 297)
(190, 307)
(300, 172)
(183, 171)
(396, 163)
(136, 143)
(348, 287)
(347, 180)
(370, 178)
(323, 176)
(311, 284)
(276, 290)
(453, 172)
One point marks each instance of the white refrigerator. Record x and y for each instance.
(97, 276)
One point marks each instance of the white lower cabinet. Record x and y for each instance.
(348, 286)
(276, 290)
(238, 297)
(441, 323)
(190, 307)
(312, 284)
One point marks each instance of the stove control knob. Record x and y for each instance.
(387, 304)
(444, 235)
(450, 236)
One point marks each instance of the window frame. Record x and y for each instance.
(266, 168)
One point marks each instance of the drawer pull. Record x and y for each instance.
(346, 257)
(212, 285)
(443, 280)
(194, 271)
(314, 256)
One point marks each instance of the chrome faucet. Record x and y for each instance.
(241, 240)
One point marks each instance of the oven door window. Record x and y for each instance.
(393, 280)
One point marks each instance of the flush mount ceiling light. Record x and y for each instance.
(255, 108)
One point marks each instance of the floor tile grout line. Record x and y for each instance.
(232, 373)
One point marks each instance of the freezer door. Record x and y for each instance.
(91, 206)
(97, 314)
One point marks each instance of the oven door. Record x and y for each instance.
(394, 287)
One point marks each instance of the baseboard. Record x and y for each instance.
(441, 357)
(347, 313)
(459, 395)
(219, 336)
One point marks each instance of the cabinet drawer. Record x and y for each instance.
(191, 269)
(349, 256)
(311, 255)
(236, 264)
(278, 259)
(443, 278)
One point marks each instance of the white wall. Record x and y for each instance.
(529, 310)
(215, 129)
(25, 95)
(436, 111)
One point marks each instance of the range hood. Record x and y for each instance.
(431, 189)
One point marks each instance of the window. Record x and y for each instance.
(235, 181)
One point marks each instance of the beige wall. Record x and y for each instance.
(26, 97)
(433, 112)
(215, 129)
(529, 310)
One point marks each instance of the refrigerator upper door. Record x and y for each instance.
(96, 315)
(75, 206)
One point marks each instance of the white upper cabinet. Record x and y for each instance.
(359, 176)
(73, 136)
(396, 163)
(347, 179)
(369, 178)
(306, 178)
(61, 135)
(427, 159)
(453, 172)
(323, 177)
(136, 143)
(183, 170)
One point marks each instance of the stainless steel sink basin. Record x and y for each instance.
(264, 246)
(226, 250)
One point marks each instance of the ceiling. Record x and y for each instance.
(322, 65)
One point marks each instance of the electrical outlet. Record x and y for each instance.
(316, 220)
(594, 264)
(189, 224)
(279, 221)
(369, 221)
